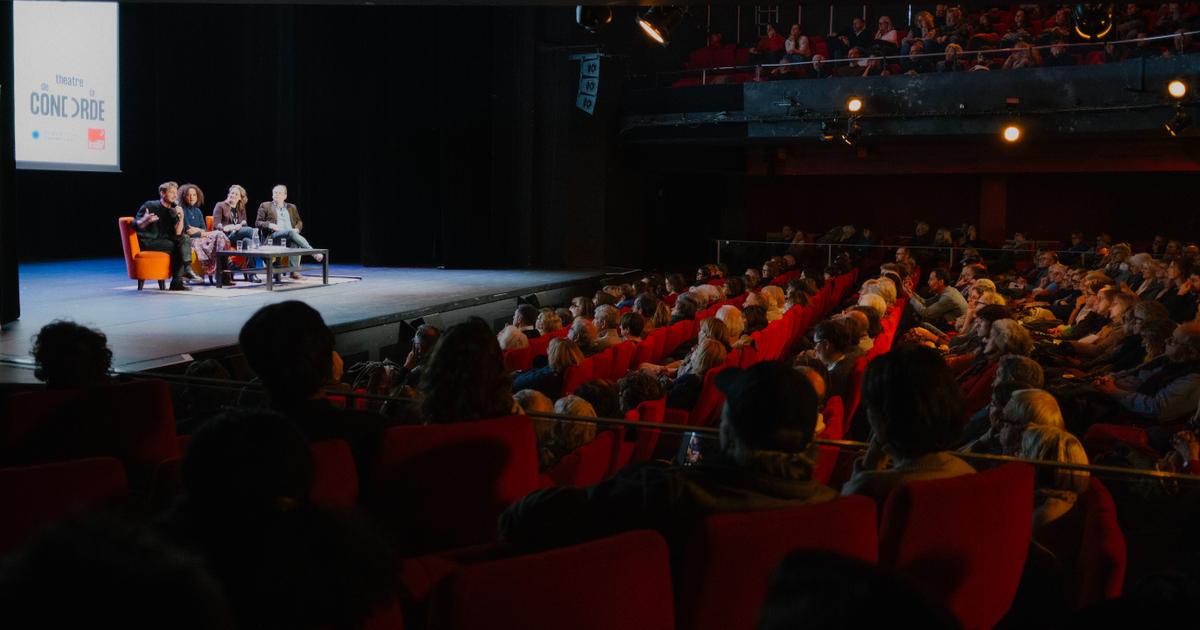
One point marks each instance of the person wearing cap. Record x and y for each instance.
(915, 410)
(764, 462)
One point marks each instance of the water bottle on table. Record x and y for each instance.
(256, 242)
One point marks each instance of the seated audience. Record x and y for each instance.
(607, 321)
(915, 412)
(548, 321)
(688, 381)
(511, 338)
(632, 327)
(561, 354)
(290, 349)
(944, 305)
(636, 388)
(283, 562)
(525, 320)
(69, 356)
(565, 436)
(1165, 389)
(583, 333)
(766, 429)
(466, 379)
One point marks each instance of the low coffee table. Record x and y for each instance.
(268, 254)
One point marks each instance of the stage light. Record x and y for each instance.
(1182, 120)
(1012, 133)
(658, 22)
(592, 19)
(1177, 88)
(854, 105)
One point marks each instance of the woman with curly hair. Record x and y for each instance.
(465, 378)
(205, 243)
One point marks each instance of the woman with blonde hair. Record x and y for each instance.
(685, 390)
(561, 354)
(775, 299)
(548, 321)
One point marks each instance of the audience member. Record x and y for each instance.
(766, 429)
(69, 356)
(465, 378)
(914, 409)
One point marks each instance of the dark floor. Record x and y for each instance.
(149, 327)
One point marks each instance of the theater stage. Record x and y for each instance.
(152, 329)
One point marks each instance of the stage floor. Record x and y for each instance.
(146, 328)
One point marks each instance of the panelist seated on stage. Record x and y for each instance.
(229, 217)
(205, 242)
(159, 225)
(280, 219)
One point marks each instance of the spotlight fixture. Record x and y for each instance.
(854, 105)
(1093, 21)
(593, 18)
(1177, 89)
(1011, 133)
(659, 21)
(1182, 120)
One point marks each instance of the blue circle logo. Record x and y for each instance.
(36, 135)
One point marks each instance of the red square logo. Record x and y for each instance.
(95, 139)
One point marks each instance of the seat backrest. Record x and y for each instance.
(622, 359)
(32, 497)
(833, 413)
(538, 346)
(586, 465)
(602, 363)
(675, 335)
(577, 375)
(856, 386)
(441, 486)
(963, 539)
(335, 478)
(618, 582)
(729, 562)
(134, 422)
(658, 339)
(520, 359)
(649, 412)
(707, 410)
(1102, 554)
(129, 242)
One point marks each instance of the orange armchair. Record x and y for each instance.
(142, 266)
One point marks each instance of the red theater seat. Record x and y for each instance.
(586, 465)
(707, 410)
(963, 539)
(727, 566)
(1102, 555)
(619, 582)
(335, 479)
(33, 497)
(442, 486)
(622, 359)
(134, 422)
(649, 412)
(577, 375)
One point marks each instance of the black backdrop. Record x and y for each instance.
(406, 135)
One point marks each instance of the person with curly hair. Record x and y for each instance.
(70, 356)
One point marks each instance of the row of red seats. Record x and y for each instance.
(963, 540)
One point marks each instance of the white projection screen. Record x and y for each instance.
(65, 86)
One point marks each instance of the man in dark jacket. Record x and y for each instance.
(764, 462)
